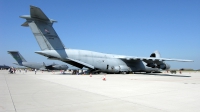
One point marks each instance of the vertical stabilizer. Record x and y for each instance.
(17, 56)
(42, 29)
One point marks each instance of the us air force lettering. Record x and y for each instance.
(52, 47)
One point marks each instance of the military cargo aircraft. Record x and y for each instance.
(4, 67)
(52, 47)
(40, 66)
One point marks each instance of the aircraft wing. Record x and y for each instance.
(153, 61)
(150, 59)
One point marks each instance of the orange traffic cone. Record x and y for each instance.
(104, 78)
(90, 75)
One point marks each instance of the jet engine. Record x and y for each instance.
(151, 65)
(164, 66)
(160, 65)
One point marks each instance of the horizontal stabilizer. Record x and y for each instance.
(38, 13)
(25, 24)
(42, 29)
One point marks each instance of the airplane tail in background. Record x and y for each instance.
(42, 29)
(17, 56)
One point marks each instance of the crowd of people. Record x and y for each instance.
(12, 70)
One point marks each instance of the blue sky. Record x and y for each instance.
(125, 27)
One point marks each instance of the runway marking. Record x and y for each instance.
(10, 93)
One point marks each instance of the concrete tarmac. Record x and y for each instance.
(55, 92)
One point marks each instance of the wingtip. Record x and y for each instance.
(189, 61)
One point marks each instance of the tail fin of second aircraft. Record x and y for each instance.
(42, 29)
(17, 56)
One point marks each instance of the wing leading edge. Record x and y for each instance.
(146, 59)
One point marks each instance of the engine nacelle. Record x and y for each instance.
(164, 66)
(151, 65)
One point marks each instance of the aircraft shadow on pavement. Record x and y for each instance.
(134, 73)
(167, 75)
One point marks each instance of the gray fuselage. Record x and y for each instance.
(33, 65)
(40, 66)
(104, 62)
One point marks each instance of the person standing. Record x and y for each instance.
(35, 71)
(14, 70)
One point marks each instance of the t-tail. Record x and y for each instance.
(18, 57)
(42, 29)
